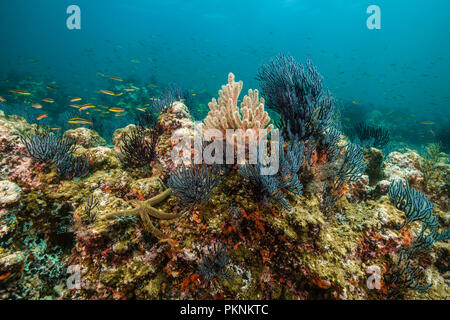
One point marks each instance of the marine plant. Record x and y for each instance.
(429, 163)
(347, 170)
(72, 166)
(270, 187)
(138, 147)
(45, 146)
(409, 271)
(194, 184)
(413, 203)
(371, 136)
(214, 263)
(91, 205)
(329, 144)
(298, 95)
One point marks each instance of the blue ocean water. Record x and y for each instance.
(396, 76)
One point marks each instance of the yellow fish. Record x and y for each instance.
(116, 78)
(2, 99)
(129, 89)
(110, 93)
(48, 100)
(42, 116)
(141, 109)
(79, 120)
(75, 99)
(356, 102)
(51, 88)
(117, 110)
(432, 133)
(86, 106)
(427, 122)
(20, 92)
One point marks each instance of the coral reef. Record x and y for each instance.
(146, 233)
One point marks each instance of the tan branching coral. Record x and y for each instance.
(225, 113)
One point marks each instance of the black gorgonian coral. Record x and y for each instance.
(270, 187)
(413, 203)
(71, 166)
(194, 184)
(46, 147)
(371, 136)
(349, 169)
(138, 148)
(298, 95)
(214, 263)
(409, 271)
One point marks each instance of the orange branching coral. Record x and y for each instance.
(225, 113)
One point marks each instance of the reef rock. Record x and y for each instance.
(85, 137)
(404, 166)
(9, 193)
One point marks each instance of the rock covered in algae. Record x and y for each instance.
(404, 166)
(272, 253)
(375, 167)
(85, 137)
(9, 193)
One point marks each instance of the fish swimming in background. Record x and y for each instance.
(79, 121)
(36, 105)
(42, 116)
(356, 102)
(86, 106)
(110, 93)
(117, 110)
(20, 92)
(101, 74)
(51, 88)
(129, 89)
(141, 109)
(49, 100)
(427, 122)
(75, 99)
(432, 133)
(2, 99)
(116, 78)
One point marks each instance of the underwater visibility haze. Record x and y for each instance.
(98, 100)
